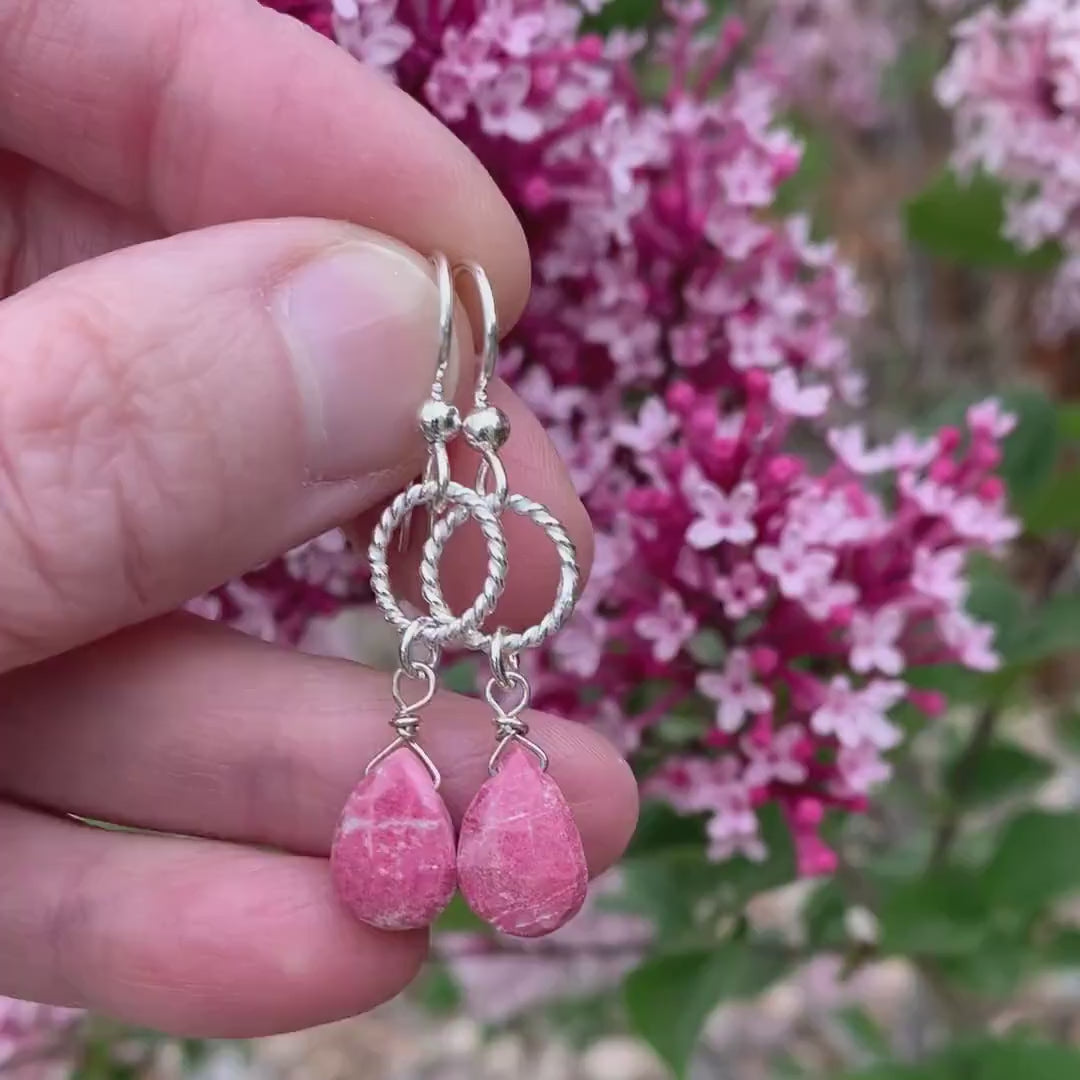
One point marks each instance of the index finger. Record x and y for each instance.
(199, 112)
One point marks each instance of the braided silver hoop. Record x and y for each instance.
(565, 594)
(464, 504)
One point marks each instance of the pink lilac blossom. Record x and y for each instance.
(316, 13)
(678, 345)
(32, 1039)
(833, 55)
(1013, 87)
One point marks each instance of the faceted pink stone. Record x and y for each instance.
(392, 860)
(521, 866)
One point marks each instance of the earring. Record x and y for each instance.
(520, 861)
(393, 855)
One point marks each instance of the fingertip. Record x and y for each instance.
(599, 785)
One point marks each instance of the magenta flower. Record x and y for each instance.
(735, 692)
(874, 641)
(857, 716)
(719, 517)
(797, 568)
(680, 342)
(668, 627)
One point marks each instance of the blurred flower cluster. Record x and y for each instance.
(1013, 85)
(30, 1037)
(764, 575)
(836, 53)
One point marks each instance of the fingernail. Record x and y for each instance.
(361, 323)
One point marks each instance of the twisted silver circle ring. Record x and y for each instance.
(464, 503)
(565, 594)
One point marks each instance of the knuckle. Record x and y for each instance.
(77, 469)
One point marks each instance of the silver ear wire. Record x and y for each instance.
(440, 420)
(444, 279)
(486, 427)
(489, 346)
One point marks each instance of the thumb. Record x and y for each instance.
(177, 412)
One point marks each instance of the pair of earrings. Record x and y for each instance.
(518, 861)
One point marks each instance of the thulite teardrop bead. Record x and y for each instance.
(392, 859)
(521, 866)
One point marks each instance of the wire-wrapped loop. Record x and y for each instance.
(510, 728)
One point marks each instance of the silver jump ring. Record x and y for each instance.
(412, 636)
(565, 595)
(427, 675)
(465, 503)
(503, 663)
(490, 346)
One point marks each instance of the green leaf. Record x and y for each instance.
(675, 889)
(1002, 770)
(1055, 506)
(925, 1071)
(997, 968)
(746, 878)
(619, 14)
(865, 1031)
(707, 647)
(913, 71)
(985, 1060)
(1012, 1060)
(460, 677)
(1031, 451)
(668, 878)
(1063, 949)
(1035, 863)
(660, 827)
(961, 685)
(994, 599)
(1069, 421)
(436, 991)
(940, 914)
(798, 191)
(823, 915)
(580, 1021)
(669, 999)
(1051, 629)
(962, 221)
(1067, 729)
(458, 918)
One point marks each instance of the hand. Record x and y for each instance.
(183, 396)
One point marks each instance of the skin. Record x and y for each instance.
(142, 149)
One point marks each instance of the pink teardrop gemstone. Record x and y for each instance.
(521, 866)
(392, 860)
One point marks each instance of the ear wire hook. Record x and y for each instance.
(438, 421)
(489, 350)
(444, 279)
(486, 427)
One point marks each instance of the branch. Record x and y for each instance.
(1058, 566)
(967, 766)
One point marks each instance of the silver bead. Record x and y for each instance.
(487, 428)
(439, 420)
